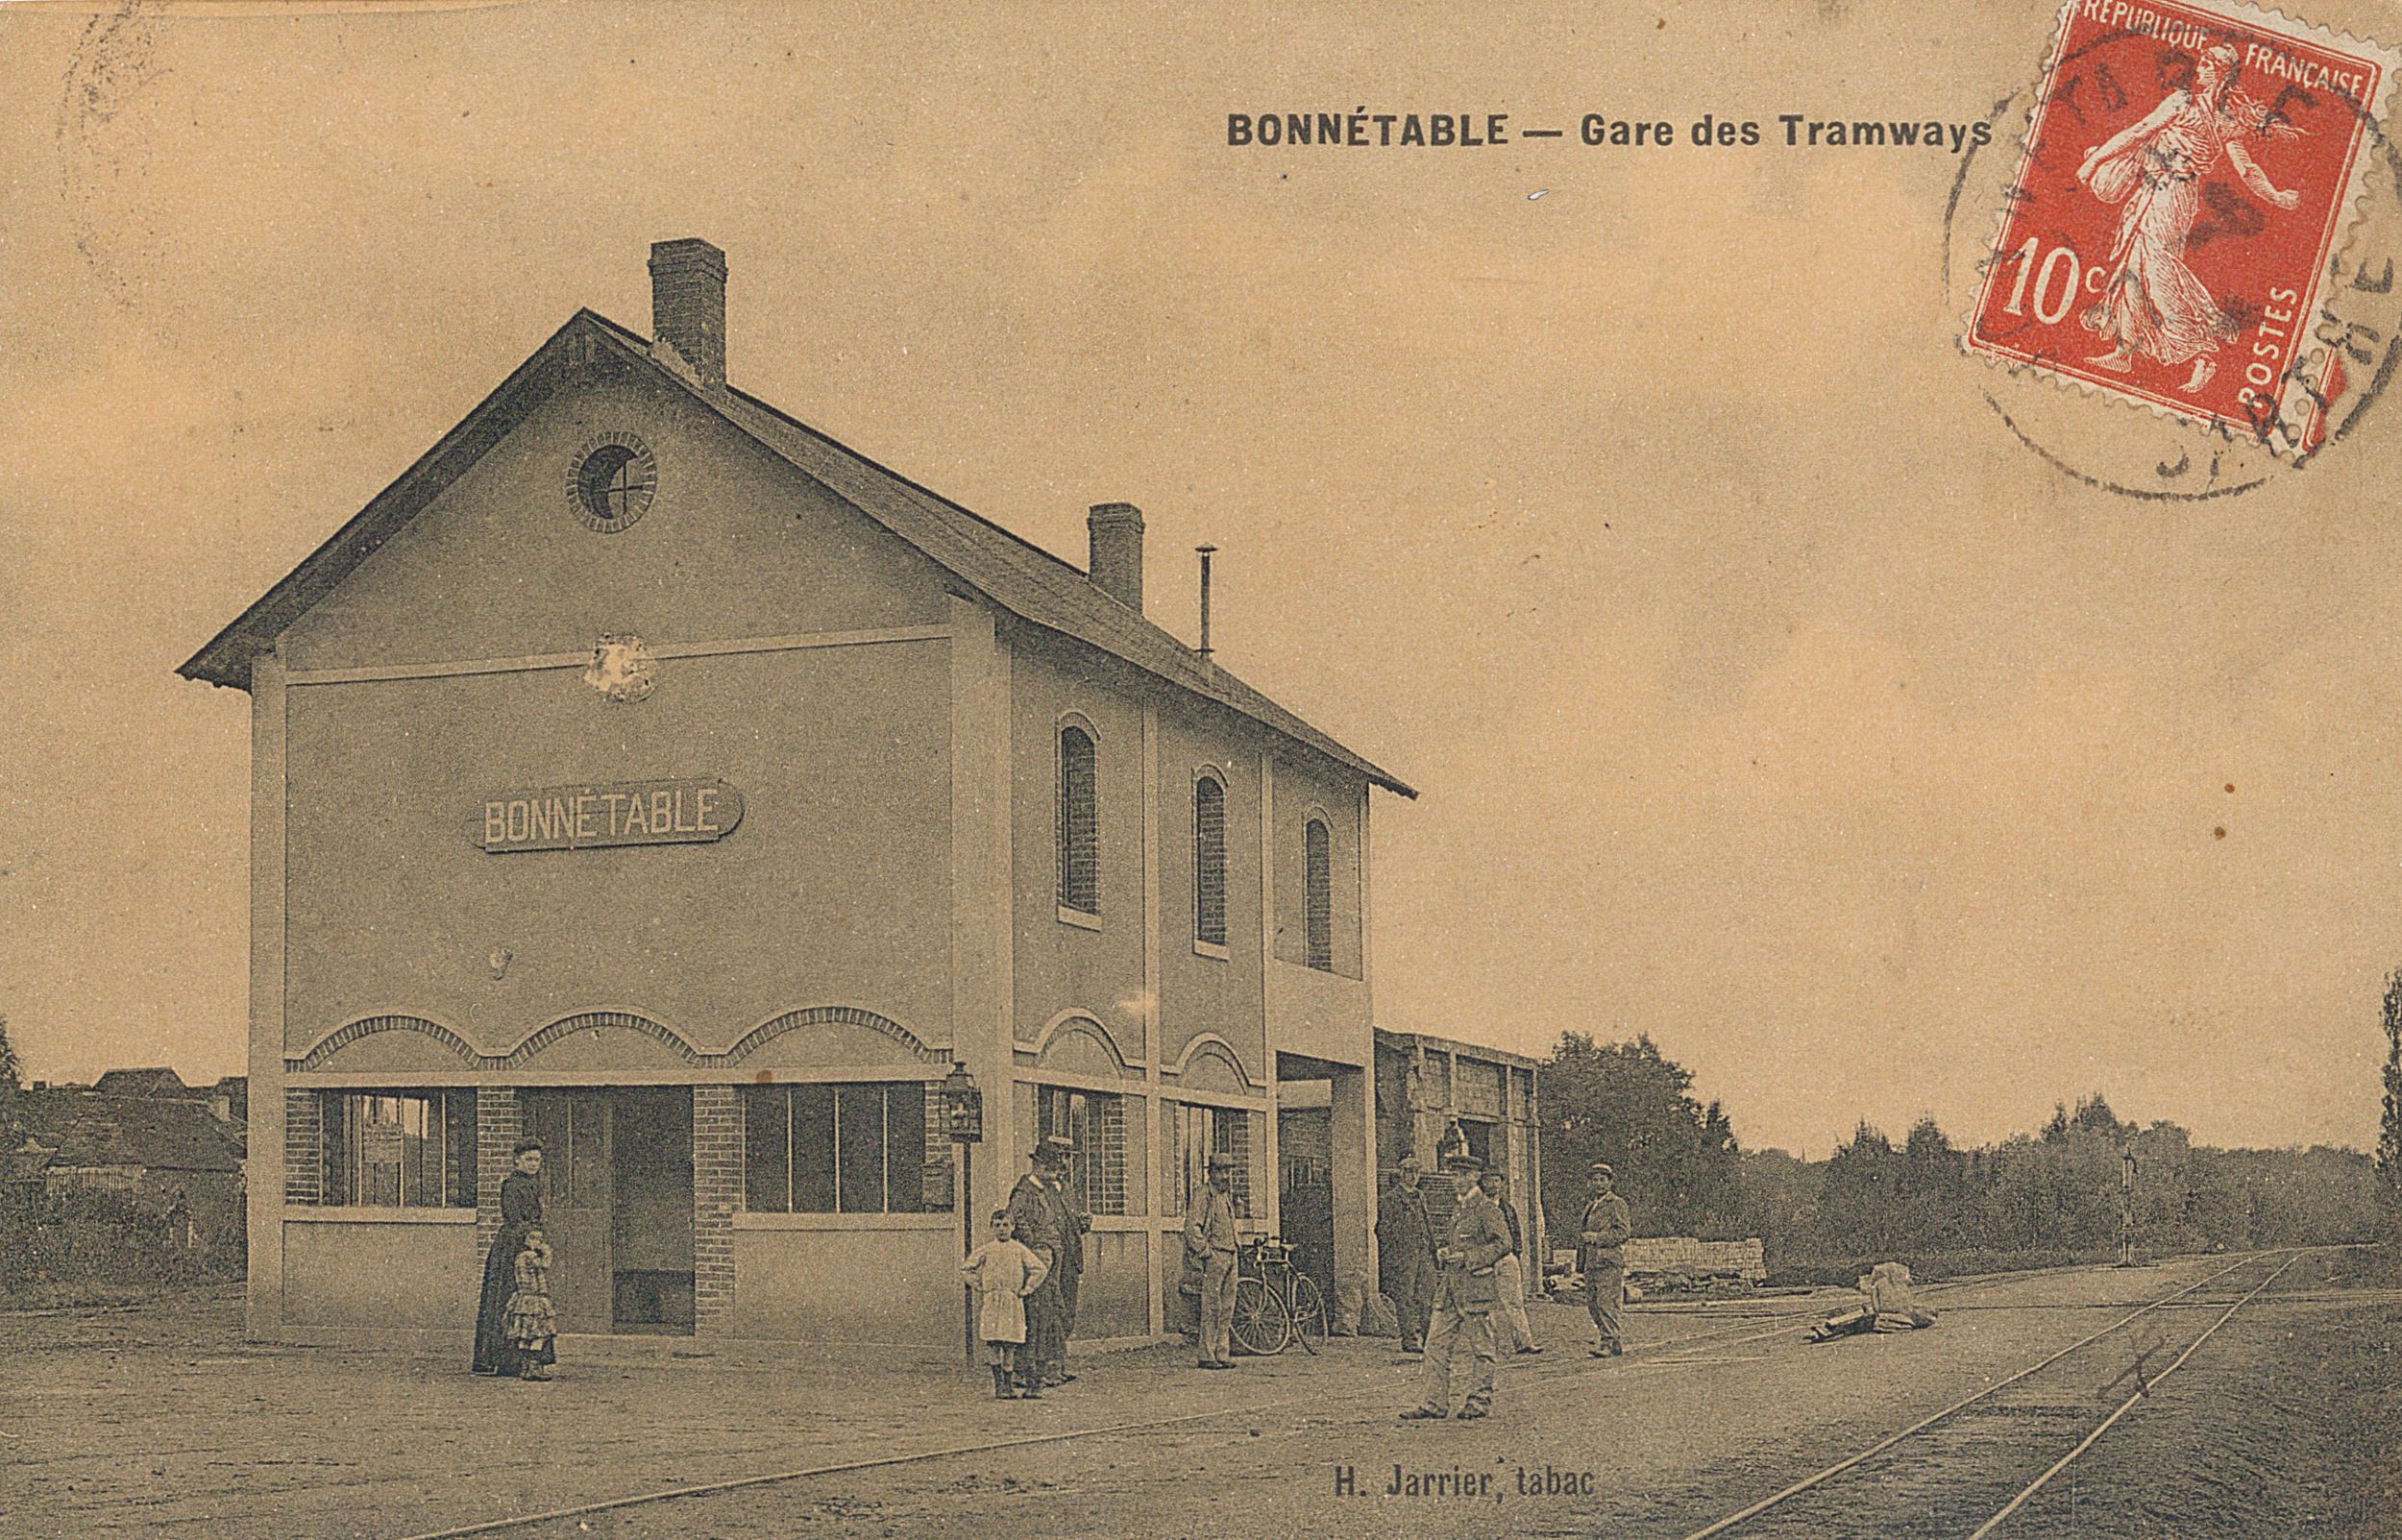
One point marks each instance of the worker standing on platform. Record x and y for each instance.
(1034, 1220)
(1404, 1253)
(1602, 1240)
(1463, 1321)
(1513, 1332)
(1210, 1244)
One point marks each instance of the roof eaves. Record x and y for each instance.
(227, 657)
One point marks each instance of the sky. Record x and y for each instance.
(1766, 693)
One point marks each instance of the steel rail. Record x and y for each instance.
(707, 1488)
(1829, 1472)
(2125, 1407)
(1568, 1369)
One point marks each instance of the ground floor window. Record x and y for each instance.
(1094, 1122)
(403, 1149)
(864, 1147)
(1197, 1132)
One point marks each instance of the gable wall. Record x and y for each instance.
(834, 890)
(735, 543)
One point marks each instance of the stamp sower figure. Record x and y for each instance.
(1004, 1272)
(1603, 1239)
(1211, 1241)
(1511, 1329)
(531, 1324)
(521, 1210)
(1462, 1322)
(1034, 1216)
(1404, 1253)
(2152, 304)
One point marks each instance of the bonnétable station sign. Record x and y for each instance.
(619, 813)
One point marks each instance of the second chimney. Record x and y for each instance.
(687, 305)
(1116, 566)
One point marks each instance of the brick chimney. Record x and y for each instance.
(688, 306)
(1116, 566)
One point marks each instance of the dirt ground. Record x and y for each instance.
(161, 1421)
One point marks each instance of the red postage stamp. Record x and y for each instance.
(2187, 176)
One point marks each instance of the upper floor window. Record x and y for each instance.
(1209, 862)
(1319, 862)
(1079, 823)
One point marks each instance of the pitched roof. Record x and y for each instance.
(84, 1128)
(148, 1081)
(1015, 573)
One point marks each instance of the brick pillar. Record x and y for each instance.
(304, 1147)
(716, 1192)
(500, 1121)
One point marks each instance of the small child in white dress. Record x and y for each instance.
(1004, 1271)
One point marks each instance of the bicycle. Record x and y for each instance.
(1275, 1305)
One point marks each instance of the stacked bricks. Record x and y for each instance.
(716, 1192)
(499, 1124)
(304, 1147)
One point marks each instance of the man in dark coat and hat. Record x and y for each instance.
(1404, 1253)
(1042, 1219)
(1073, 1224)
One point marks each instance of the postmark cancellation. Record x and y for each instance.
(2189, 177)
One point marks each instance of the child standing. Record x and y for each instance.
(1004, 1271)
(531, 1324)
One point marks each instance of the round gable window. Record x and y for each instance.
(611, 481)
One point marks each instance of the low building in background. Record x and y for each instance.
(164, 1155)
(1433, 1095)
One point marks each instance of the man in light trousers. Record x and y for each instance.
(1462, 1323)
(1513, 1332)
(1211, 1241)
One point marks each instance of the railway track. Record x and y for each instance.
(1938, 1469)
(1367, 1402)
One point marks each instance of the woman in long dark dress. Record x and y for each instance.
(521, 1208)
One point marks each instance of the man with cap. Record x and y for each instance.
(1462, 1322)
(1035, 1206)
(1209, 1243)
(1404, 1253)
(1601, 1240)
(1513, 1332)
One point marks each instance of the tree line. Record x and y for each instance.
(2051, 1194)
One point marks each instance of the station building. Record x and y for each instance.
(645, 770)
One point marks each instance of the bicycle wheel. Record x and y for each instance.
(1309, 1313)
(1261, 1323)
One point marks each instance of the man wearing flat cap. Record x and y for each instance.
(1464, 1292)
(1209, 1243)
(1404, 1253)
(1603, 1239)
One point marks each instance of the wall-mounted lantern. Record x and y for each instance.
(963, 1106)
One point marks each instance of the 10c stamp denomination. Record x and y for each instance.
(2180, 205)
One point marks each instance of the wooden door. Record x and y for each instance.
(574, 1128)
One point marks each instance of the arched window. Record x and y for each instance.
(1208, 861)
(1079, 825)
(1318, 862)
